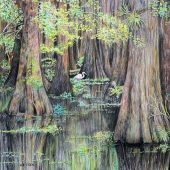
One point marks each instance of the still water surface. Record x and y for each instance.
(79, 137)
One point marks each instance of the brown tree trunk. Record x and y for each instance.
(92, 52)
(48, 43)
(25, 97)
(30, 99)
(142, 113)
(60, 83)
(165, 62)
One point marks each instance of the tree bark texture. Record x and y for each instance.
(142, 113)
(60, 83)
(165, 62)
(27, 99)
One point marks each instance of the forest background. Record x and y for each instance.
(126, 42)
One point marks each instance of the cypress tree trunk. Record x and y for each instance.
(142, 113)
(165, 62)
(60, 83)
(48, 43)
(29, 97)
(25, 98)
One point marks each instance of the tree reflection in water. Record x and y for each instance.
(79, 137)
(143, 157)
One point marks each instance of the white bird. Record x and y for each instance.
(80, 76)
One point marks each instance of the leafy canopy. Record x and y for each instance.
(69, 19)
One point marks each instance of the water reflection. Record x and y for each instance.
(144, 157)
(79, 137)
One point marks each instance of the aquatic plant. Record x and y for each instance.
(78, 87)
(96, 81)
(58, 109)
(82, 104)
(83, 150)
(104, 136)
(164, 147)
(81, 87)
(66, 95)
(163, 134)
(67, 162)
(49, 129)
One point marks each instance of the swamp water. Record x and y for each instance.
(78, 137)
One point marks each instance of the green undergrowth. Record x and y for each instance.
(26, 129)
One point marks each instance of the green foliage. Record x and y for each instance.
(113, 30)
(68, 22)
(10, 13)
(49, 74)
(78, 87)
(56, 22)
(48, 64)
(132, 19)
(164, 147)
(8, 41)
(104, 136)
(80, 61)
(82, 104)
(95, 81)
(81, 87)
(139, 42)
(124, 10)
(5, 65)
(116, 90)
(32, 66)
(83, 150)
(66, 95)
(111, 36)
(67, 162)
(8, 89)
(34, 82)
(58, 109)
(3, 78)
(49, 129)
(160, 8)
(163, 134)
